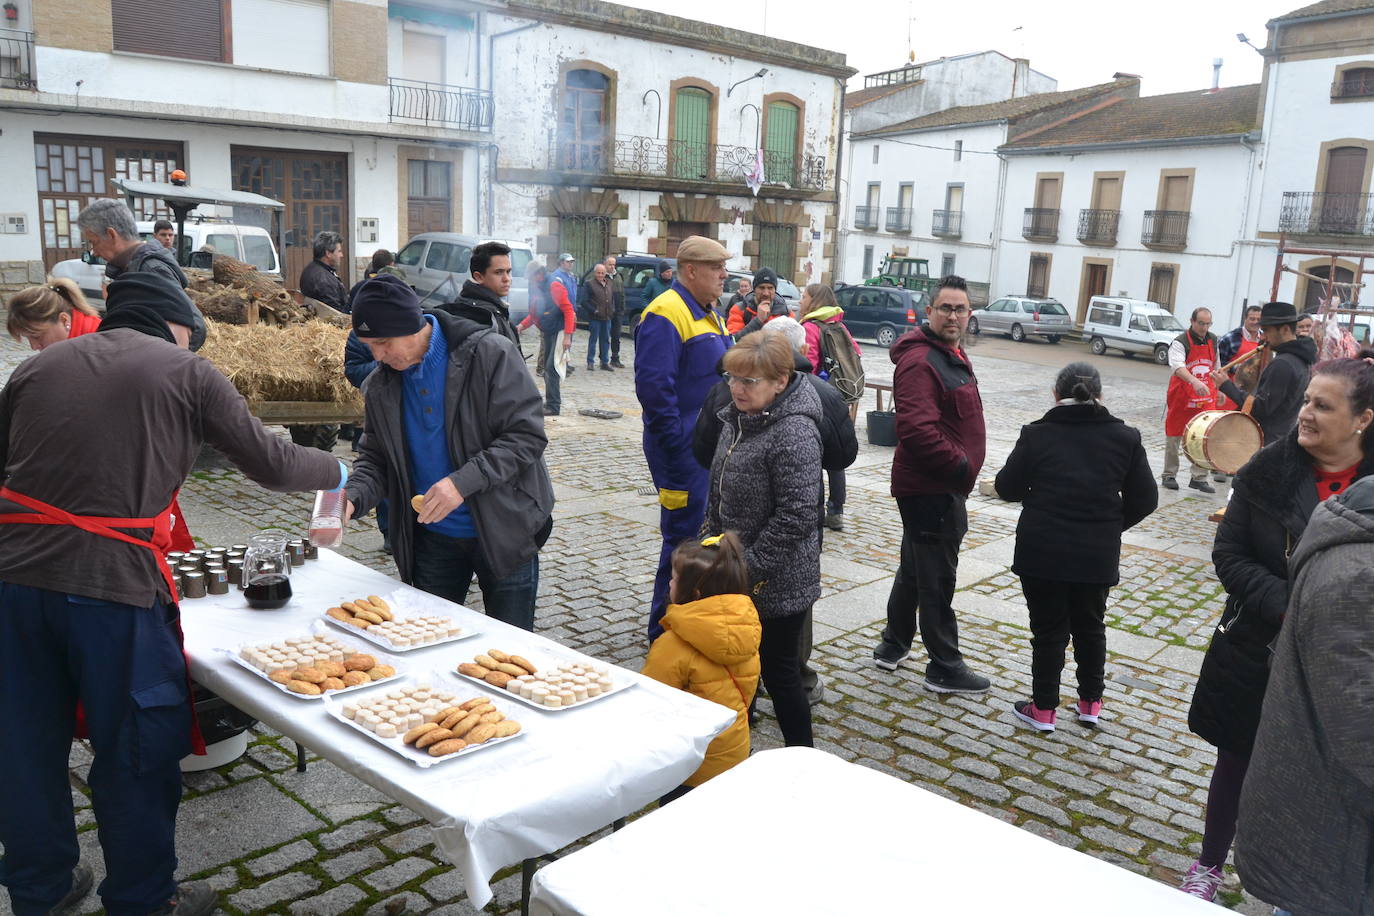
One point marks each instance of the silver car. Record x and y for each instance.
(1022, 317)
(437, 264)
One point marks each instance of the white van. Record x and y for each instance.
(250, 244)
(1131, 326)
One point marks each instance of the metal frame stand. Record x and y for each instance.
(528, 866)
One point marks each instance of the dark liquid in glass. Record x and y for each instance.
(268, 593)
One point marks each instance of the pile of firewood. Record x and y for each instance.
(233, 292)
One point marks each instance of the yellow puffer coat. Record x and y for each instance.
(710, 648)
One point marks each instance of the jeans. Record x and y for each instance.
(599, 337)
(617, 321)
(838, 491)
(444, 566)
(1059, 610)
(553, 393)
(933, 527)
(125, 666)
(1171, 448)
(780, 668)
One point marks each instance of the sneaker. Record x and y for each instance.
(1201, 882)
(606, 367)
(888, 657)
(962, 681)
(82, 879)
(1089, 711)
(194, 898)
(617, 363)
(1037, 718)
(834, 521)
(816, 695)
(1169, 483)
(1202, 485)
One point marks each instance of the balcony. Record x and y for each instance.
(867, 218)
(899, 219)
(16, 60)
(1041, 224)
(1355, 85)
(1166, 229)
(1098, 227)
(1321, 213)
(440, 105)
(686, 161)
(947, 224)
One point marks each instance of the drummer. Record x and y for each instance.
(87, 604)
(1278, 394)
(1192, 359)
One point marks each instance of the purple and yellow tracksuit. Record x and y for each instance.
(678, 345)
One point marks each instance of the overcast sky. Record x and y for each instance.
(1171, 43)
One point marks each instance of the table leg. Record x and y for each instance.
(300, 757)
(526, 879)
(617, 824)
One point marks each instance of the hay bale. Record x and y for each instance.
(300, 362)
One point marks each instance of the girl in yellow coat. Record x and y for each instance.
(710, 644)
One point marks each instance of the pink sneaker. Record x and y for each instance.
(1034, 716)
(1088, 712)
(1202, 882)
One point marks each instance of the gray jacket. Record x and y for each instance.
(496, 437)
(766, 487)
(154, 258)
(1306, 831)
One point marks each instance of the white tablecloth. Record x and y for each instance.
(571, 774)
(799, 831)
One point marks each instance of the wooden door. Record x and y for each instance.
(1175, 196)
(1107, 194)
(314, 188)
(690, 149)
(677, 231)
(583, 129)
(1094, 284)
(780, 142)
(1342, 203)
(429, 196)
(1047, 194)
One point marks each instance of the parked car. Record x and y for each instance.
(1021, 317)
(1131, 326)
(881, 313)
(251, 244)
(437, 264)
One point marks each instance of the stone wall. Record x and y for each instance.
(15, 275)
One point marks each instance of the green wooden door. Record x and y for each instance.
(691, 134)
(780, 144)
(778, 248)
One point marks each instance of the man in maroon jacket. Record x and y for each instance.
(941, 442)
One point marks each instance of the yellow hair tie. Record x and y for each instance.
(711, 541)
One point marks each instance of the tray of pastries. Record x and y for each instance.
(311, 666)
(387, 623)
(551, 684)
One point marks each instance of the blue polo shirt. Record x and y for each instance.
(422, 416)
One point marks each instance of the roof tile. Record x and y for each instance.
(1158, 117)
(1323, 7)
(1007, 109)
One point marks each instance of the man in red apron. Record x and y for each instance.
(1192, 357)
(96, 435)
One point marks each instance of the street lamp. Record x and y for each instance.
(762, 72)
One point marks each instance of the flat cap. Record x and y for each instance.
(699, 248)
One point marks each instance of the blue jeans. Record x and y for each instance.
(125, 666)
(553, 394)
(599, 332)
(444, 566)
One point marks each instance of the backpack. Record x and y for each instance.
(839, 363)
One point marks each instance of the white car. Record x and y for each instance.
(1131, 326)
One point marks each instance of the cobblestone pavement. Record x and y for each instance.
(1131, 792)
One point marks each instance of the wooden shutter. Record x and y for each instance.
(1107, 194)
(691, 133)
(780, 143)
(1047, 193)
(191, 29)
(1345, 170)
(1175, 193)
(778, 248)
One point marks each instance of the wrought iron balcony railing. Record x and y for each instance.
(1098, 227)
(1165, 229)
(947, 223)
(1322, 213)
(16, 60)
(684, 160)
(1353, 85)
(1041, 224)
(866, 217)
(898, 219)
(436, 103)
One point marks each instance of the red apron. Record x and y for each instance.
(162, 525)
(1182, 402)
(1223, 402)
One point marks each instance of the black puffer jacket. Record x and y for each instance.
(479, 304)
(1278, 395)
(1273, 499)
(1075, 509)
(766, 487)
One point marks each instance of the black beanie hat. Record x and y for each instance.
(386, 306)
(766, 275)
(151, 291)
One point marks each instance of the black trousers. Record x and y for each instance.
(780, 667)
(1059, 610)
(617, 322)
(933, 527)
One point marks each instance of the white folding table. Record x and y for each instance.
(799, 831)
(571, 773)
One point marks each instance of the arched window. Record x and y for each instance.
(1355, 82)
(582, 132)
(691, 143)
(782, 124)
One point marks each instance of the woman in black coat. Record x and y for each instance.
(1271, 501)
(1084, 478)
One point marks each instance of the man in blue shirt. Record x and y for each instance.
(452, 415)
(564, 274)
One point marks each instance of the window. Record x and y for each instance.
(868, 261)
(875, 154)
(958, 150)
(1355, 82)
(194, 30)
(223, 243)
(947, 265)
(1038, 278)
(691, 144)
(429, 207)
(276, 34)
(410, 255)
(1138, 323)
(1163, 283)
(781, 129)
(427, 179)
(583, 125)
(448, 257)
(778, 248)
(586, 238)
(257, 250)
(1105, 313)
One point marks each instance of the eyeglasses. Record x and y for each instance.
(740, 380)
(947, 310)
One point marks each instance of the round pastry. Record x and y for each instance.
(386, 730)
(523, 663)
(417, 503)
(434, 736)
(539, 693)
(507, 728)
(380, 672)
(465, 725)
(331, 669)
(303, 687)
(553, 700)
(486, 661)
(497, 678)
(498, 655)
(446, 747)
(473, 670)
(579, 693)
(282, 675)
(484, 732)
(493, 716)
(332, 683)
(354, 678)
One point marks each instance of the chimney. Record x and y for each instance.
(1020, 77)
(1216, 73)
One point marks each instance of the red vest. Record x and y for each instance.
(1182, 400)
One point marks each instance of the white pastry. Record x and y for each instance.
(386, 730)
(552, 700)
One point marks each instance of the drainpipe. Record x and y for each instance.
(837, 262)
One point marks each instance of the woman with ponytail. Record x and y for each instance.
(44, 315)
(710, 643)
(1084, 479)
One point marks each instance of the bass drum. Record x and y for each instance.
(1222, 440)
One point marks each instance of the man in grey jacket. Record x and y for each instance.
(452, 415)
